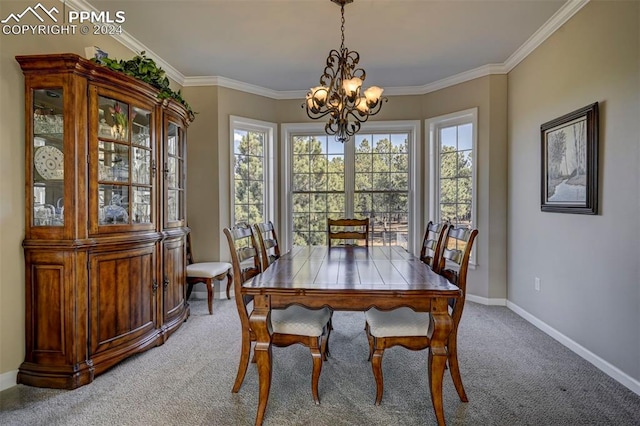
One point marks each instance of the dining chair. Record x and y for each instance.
(432, 244)
(268, 240)
(410, 329)
(348, 229)
(206, 273)
(294, 324)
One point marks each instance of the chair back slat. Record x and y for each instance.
(245, 253)
(432, 244)
(269, 247)
(243, 248)
(348, 229)
(454, 255)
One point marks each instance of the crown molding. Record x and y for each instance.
(570, 8)
(233, 84)
(131, 43)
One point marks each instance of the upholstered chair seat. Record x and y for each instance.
(208, 269)
(398, 322)
(300, 321)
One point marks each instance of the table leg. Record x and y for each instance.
(441, 326)
(260, 325)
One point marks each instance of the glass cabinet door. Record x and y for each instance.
(125, 159)
(174, 174)
(48, 158)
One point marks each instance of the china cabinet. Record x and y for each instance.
(105, 219)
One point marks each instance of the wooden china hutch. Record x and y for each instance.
(105, 219)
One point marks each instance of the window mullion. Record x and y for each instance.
(349, 177)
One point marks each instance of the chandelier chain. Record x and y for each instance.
(342, 27)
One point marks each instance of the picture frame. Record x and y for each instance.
(569, 174)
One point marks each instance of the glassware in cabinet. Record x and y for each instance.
(48, 157)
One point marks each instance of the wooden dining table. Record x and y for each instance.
(351, 278)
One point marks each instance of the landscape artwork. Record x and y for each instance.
(569, 152)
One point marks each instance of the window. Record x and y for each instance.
(317, 186)
(252, 170)
(382, 186)
(452, 140)
(369, 176)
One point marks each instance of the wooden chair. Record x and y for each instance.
(207, 273)
(294, 324)
(405, 327)
(345, 230)
(268, 242)
(432, 244)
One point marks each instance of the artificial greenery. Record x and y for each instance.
(145, 69)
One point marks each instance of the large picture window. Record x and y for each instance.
(252, 169)
(369, 176)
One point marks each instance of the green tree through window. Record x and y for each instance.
(248, 170)
(379, 178)
(456, 160)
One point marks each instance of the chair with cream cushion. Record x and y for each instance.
(294, 324)
(410, 329)
(206, 273)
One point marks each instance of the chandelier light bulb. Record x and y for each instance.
(373, 95)
(362, 106)
(319, 94)
(351, 87)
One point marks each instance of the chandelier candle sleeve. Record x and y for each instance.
(340, 95)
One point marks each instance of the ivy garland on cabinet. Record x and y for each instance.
(146, 69)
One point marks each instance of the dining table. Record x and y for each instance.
(351, 278)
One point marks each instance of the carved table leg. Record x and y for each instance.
(262, 352)
(440, 327)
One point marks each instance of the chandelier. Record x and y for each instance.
(340, 94)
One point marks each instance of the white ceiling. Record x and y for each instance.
(282, 45)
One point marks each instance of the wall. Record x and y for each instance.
(588, 265)
(203, 209)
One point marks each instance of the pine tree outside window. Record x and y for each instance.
(373, 175)
(252, 170)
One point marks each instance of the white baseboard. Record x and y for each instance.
(609, 369)
(486, 301)
(8, 380)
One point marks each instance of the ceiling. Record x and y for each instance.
(282, 45)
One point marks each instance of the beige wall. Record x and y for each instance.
(588, 265)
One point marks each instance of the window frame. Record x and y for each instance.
(412, 127)
(269, 163)
(432, 128)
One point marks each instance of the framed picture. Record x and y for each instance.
(570, 162)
